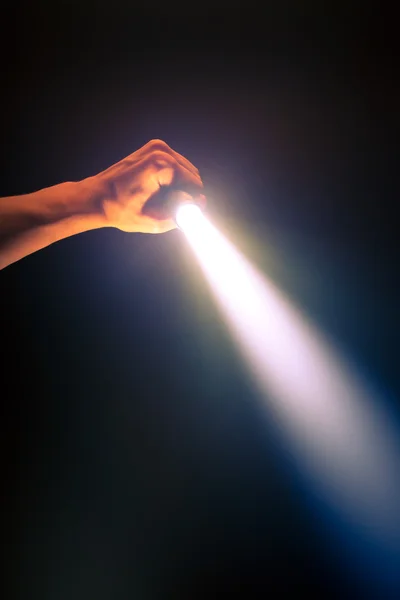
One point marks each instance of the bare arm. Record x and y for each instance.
(33, 221)
(118, 197)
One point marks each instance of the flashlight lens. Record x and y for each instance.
(187, 216)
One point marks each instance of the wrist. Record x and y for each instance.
(85, 203)
(74, 204)
(89, 197)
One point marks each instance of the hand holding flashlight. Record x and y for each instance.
(143, 191)
(140, 193)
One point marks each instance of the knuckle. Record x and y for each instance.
(157, 144)
(160, 158)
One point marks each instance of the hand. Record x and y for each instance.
(130, 195)
(133, 189)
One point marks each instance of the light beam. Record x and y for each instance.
(339, 432)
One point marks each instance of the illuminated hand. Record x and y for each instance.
(133, 189)
(130, 195)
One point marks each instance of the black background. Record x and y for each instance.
(134, 459)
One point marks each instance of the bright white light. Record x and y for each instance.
(187, 216)
(333, 424)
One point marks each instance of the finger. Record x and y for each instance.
(150, 225)
(165, 226)
(159, 145)
(186, 181)
(168, 172)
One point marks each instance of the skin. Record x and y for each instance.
(122, 196)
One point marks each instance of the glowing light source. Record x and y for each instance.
(187, 216)
(339, 433)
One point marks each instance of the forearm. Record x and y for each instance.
(34, 221)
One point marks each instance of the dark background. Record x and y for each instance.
(134, 459)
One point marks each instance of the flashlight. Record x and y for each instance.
(188, 215)
(184, 208)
